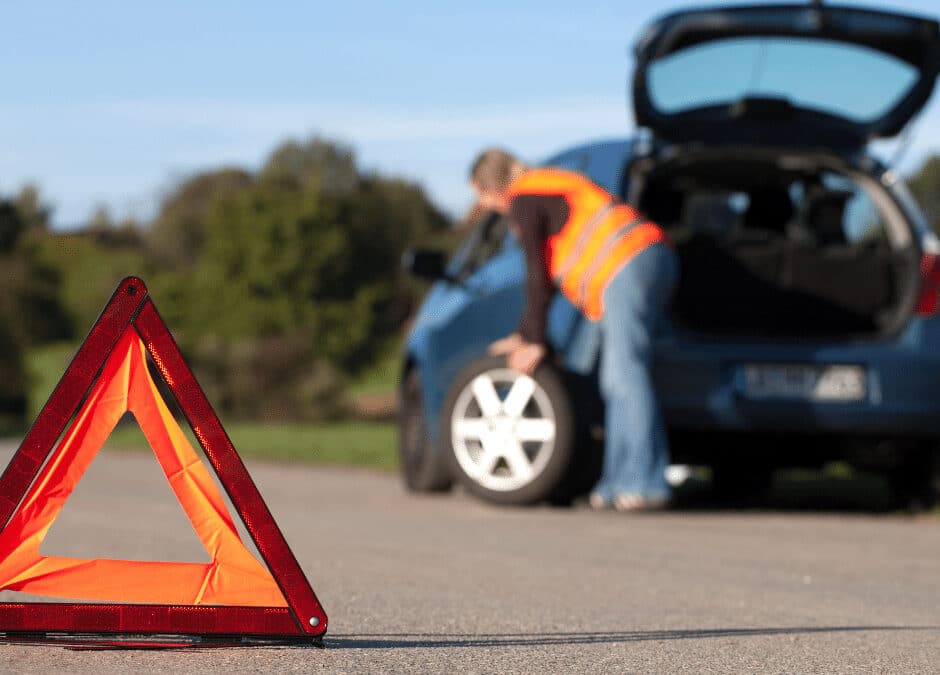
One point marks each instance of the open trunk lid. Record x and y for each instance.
(804, 75)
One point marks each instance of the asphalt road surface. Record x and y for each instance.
(447, 584)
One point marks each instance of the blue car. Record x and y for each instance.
(805, 328)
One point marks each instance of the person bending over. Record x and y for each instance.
(618, 269)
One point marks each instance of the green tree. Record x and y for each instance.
(33, 211)
(291, 278)
(89, 267)
(925, 184)
(331, 165)
(11, 226)
(29, 287)
(176, 236)
(279, 284)
(396, 215)
(90, 261)
(13, 398)
(30, 312)
(100, 221)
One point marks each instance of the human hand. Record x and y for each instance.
(506, 345)
(526, 357)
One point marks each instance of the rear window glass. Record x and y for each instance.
(850, 81)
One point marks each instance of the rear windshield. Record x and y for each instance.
(852, 82)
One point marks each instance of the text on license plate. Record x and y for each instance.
(808, 382)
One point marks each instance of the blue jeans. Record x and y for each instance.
(636, 451)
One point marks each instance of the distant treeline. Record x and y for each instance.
(925, 184)
(280, 284)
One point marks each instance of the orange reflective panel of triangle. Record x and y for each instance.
(233, 577)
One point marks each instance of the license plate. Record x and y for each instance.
(805, 382)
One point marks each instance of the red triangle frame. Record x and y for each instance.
(303, 618)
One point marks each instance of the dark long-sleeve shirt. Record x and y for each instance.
(538, 217)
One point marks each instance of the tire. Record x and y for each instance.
(492, 413)
(914, 484)
(741, 483)
(422, 469)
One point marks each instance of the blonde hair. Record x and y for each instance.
(496, 169)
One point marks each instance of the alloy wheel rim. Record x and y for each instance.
(503, 430)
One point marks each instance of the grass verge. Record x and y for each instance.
(367, 444)
(383, 376)
(45, 366)
(354, 443)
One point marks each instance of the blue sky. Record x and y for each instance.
(111, 103)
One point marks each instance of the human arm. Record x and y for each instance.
(536, 217)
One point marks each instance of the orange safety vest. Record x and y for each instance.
(599, 238)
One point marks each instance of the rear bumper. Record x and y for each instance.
(700, 386)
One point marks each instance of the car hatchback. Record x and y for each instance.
(805, 325)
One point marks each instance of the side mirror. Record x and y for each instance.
(425, 263)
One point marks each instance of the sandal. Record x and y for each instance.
(598, 502)
(632, 503)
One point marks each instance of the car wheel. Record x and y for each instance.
(741, 483)
(914, 484)
(422, 469)
(509, 437)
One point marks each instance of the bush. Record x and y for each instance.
(290, 283)
(30, 311)
(271, 379)
(13, 384)
(280, 284)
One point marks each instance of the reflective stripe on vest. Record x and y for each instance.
(598, 239)
(605, 251)
(582, 241)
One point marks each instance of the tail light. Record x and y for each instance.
(929, 300)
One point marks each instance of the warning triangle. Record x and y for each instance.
(234, 594)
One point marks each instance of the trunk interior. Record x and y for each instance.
(781, 249)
